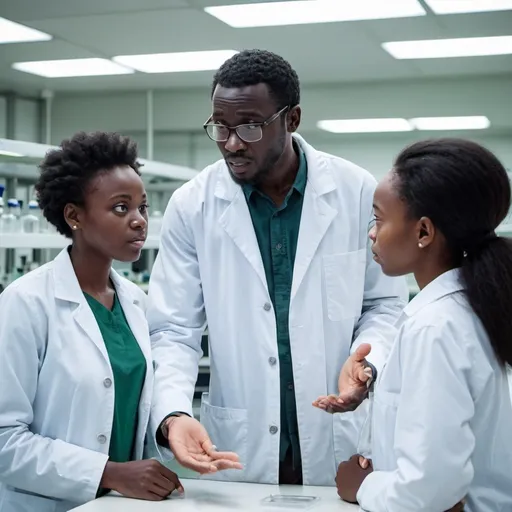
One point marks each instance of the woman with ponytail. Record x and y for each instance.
(442, 411)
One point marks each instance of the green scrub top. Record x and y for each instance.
(277, 232)
(129, 371)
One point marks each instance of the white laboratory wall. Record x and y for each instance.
(27, 120)
(179, 115)
(372, 152)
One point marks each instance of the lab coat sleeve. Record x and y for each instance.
(28, 461)
(176, 316)
(433, 438)
(383, 301)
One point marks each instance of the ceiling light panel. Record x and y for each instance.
(446, 48)
(313, 11)
(72, 68)
(365, 125)
(176, 62)
(11, 32)
(451, 123)
(468, 6)
(382, 125)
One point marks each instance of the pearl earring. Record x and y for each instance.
(420, 245)
(74, 226)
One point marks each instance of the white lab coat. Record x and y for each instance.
(209, 271)
(57, 389)
(442, 413)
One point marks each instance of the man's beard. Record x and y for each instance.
(266, 167)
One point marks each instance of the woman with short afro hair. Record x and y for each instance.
(76, 370)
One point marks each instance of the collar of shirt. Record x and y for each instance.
(444, 285)
(300, 180)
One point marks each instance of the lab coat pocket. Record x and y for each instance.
(384, 415)
(227, 429)
(20, 501)
(344, 284)
(348, 429)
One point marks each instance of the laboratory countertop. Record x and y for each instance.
(211, 496)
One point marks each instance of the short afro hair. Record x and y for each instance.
(252, 67)
(67, 171)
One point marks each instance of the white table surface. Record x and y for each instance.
(208, 495)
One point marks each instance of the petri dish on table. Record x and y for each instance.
(290, 501)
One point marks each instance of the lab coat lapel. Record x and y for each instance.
(237, 222)
(67, 288)
(317, 215)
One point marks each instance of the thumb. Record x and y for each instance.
(362, 352)
(207, 446)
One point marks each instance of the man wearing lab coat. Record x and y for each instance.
(268, 247)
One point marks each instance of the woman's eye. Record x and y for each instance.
(120, 208)
(143, 208)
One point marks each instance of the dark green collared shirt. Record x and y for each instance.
(277, 231)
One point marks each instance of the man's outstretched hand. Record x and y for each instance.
(193, 449)
(352, 384)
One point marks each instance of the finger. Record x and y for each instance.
(227, 464)
(153, 494)
(172, 477)
(362, 352)
(199, 467)
(364, 373)
(212, 452)
(230, 456)
(162, 487)
(363, 462)
(208, 446)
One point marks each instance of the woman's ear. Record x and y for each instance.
(72, 214)
(425, 232)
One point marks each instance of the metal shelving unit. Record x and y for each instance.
(49, 241)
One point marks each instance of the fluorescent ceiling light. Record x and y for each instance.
(8, 153)
(365, 125)
(176, 62)
(445, 48)
(72, 68)
(404, 125)
(11, 32)
(313, 11)
(451, 123)
(465, 6)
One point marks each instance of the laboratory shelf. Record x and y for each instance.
(49, 241)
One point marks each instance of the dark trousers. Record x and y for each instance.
(288, 475)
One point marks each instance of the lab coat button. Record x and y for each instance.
(272, 361)
(102, 439)
(273, 429)
(107, 382)
(267, 306)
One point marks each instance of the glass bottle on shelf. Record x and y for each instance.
(30, 222)
(9, 222)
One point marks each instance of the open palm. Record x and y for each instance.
(352, 384)
(193, 449)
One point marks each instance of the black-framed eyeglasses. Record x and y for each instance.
(249, 132)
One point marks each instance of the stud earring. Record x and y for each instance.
(420, 245)
(74, 226)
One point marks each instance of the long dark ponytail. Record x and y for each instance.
(465, 190)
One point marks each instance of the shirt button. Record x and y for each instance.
(107, 382)
(273, 429)
(272, 361)
(102, 439)
(267, 306)
(290, 386)
(278, 247)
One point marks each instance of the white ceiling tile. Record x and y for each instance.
(29, 10)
